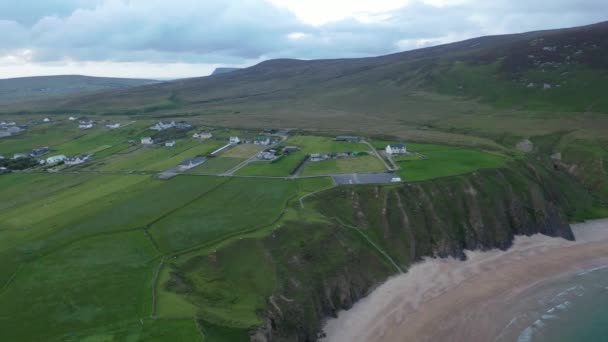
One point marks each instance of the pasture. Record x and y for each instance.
(279, 168)
(359, 164)
(316, 144)
(446, 161)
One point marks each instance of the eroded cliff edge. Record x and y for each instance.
(355, 237)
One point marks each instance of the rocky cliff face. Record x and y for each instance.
(405, 223)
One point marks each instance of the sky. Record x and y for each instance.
(166, 39)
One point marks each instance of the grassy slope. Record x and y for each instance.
(446, 161)
(28, 88)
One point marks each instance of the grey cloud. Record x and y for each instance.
(237, 31)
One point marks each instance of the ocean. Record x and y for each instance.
(572, 308)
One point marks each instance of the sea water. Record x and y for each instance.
(572, 308)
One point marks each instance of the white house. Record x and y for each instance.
(170, 143)
(85, 124)
(192, 163)
(396, 180)
(113, 126)
(73, 118)
(163, 125)
(235, 140)
(46, 120)
(77, 160)
(396, 149)
(202, 135)
(147, 141)
(55, 159)
(262, 141)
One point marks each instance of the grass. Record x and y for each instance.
(279, 168)
(216, 165)
(361, 164)
(227, 210)
(313, 144)
(446, 161)
(91, 285)
(244, 151)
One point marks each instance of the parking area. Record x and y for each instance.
(364, 178)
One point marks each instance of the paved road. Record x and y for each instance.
(389, 168)
(364, 178)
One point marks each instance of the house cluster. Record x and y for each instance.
(35, 153)
(202, 135)
(317, 157)
(396, 149)
(149, 141)
(265, 141)
(163, 125)
(268, 155)
(78, 159)
(86, 124)
(8, 129)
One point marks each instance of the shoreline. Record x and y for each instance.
(474, 300)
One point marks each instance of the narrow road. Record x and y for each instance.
(378, 155)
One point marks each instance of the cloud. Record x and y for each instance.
(241, 32)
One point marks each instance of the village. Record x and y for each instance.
(269, 152)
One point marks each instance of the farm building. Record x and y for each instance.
(290, 149)
(113, 126)
(266, 155)
(86, 124)
(202, 135)
(73, 118)
(262, 141)
(20, 155)
(192, 163)
(396, 149)
(183, 125)
(147, 141)
(78, 159)
(39, 151)
(170, 143)
(347, 138)
(55, 159)
(316, 157)
(46, 120)
(160, 126)
(235, 140)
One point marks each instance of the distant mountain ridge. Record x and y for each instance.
(555, 70)
(219, 71)
(44, 87)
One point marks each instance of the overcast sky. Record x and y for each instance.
(185, 38)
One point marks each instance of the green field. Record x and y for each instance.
(362, 164)
(65, 237)
(313, 144)
(446, 161)
(279, 168)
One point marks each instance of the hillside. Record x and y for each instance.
(36, 88)
(548, 70)
(219, 71)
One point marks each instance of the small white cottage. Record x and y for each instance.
(396, 149)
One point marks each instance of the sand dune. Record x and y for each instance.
(474, 300)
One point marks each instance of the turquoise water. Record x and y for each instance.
(575, 309)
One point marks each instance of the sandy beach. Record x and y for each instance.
(474, 300)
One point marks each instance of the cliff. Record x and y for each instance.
(438, 218)
(348, 240)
